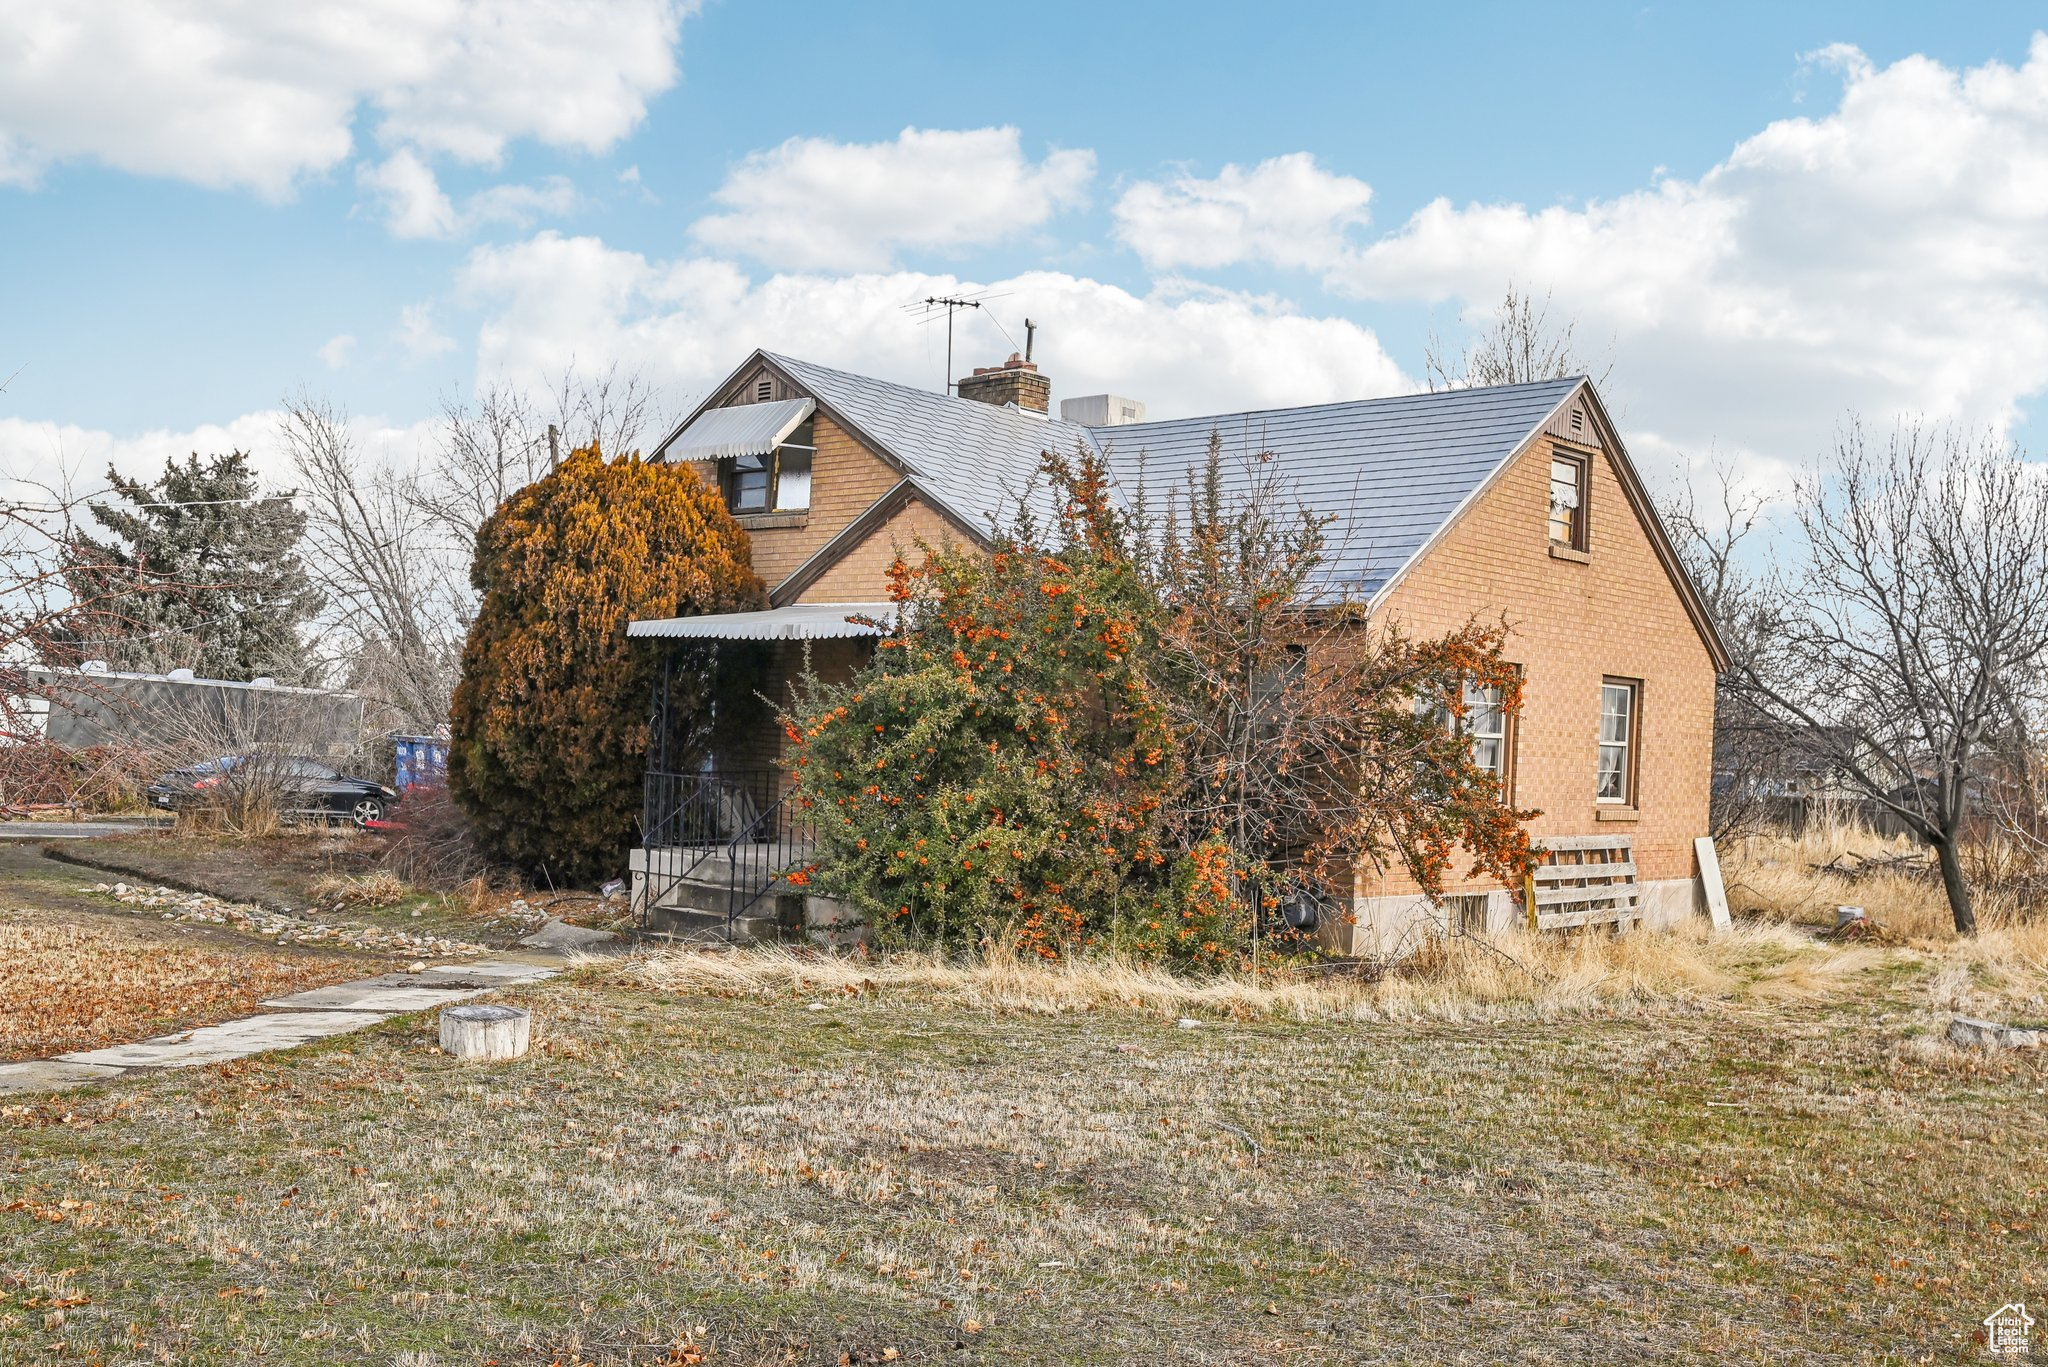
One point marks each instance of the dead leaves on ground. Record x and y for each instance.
(69, 987)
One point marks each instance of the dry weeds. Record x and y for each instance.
(1504, 976)
(367, 891)
(1797, 882)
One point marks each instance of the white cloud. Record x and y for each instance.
(335, 351)
(1286, 210)
(554, 302)
(257, 95)
(56, 454)
(415, 205)
(816, 204)
(520, 205)
(1884, 257)
(418, 335)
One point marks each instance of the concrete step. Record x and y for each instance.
(688, 923)
(694, 894)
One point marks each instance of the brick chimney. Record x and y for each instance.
(1015, 381)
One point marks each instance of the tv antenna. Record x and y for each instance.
(930, 307)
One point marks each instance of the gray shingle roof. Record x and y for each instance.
(975, 458)
(1390, 472)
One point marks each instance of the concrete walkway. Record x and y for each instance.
(291, 1021)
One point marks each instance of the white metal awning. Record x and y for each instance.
(748, 429)
(798, 622)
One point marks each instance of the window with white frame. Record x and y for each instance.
(1620, 706)
(1486, 722)
(1486, 725)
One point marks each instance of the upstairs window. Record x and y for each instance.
(1568, 501)
(779, 482)
(1620, 704)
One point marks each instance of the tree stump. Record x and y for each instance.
(486, 1032)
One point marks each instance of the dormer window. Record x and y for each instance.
(1568, 500)
(777, 481)
(761, 453)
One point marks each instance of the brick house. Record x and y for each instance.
(1518, 501)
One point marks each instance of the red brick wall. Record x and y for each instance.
(1573, 623)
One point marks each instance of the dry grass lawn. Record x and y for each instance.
(67, 985)
(1686, 1148)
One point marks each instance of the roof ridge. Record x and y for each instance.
(1561, 383)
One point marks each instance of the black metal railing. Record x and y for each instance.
(735, 833)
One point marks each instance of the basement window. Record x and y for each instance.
(1465, 913)
(1568, 501)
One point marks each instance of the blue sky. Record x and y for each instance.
(386, 207)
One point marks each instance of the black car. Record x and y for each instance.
(306, 787)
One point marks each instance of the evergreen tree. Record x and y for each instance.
(196, 571)
(550, 713)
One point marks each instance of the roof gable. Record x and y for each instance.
(977, 461)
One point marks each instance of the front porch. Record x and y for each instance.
(716, 851)
(720, 840)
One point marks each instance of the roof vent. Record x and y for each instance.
(1102, 410)
(181, 676)
(93, 667)
(262, 681)
(1578, 420)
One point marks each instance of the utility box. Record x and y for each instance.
(1102, 410)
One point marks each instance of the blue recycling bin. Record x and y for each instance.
(421, 760)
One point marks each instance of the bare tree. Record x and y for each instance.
(1913, 633)
(48, 611)
(497, 442)
(395, 544)
(490, 448)
(1521, 347)
(609, 407)
(396, 577)
(1715, 540)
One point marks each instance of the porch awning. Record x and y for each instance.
(797, 622)
(748, 429)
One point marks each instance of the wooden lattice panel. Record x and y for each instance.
(1583, 880)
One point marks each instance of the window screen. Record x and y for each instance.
(793, 480)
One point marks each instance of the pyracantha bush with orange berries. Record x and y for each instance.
(1119, 729)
